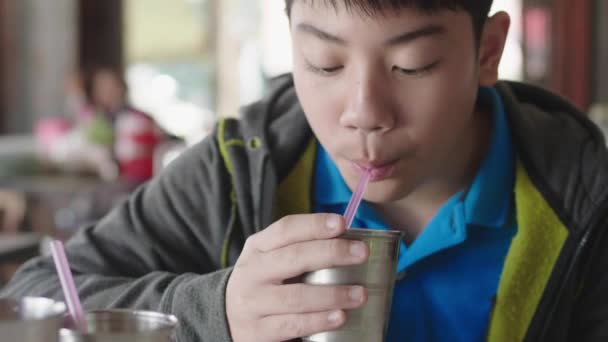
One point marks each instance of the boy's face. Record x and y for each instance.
(394, 92)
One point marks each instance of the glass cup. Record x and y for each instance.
(377, 275)
(121, 325)
(31, 319)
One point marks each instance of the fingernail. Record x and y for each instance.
(357, 249)
(335, 317)
(332, 223)
(356, 293)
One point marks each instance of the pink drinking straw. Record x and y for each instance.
(67, 283)
(355, 199)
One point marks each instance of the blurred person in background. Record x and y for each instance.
(102, 132)
(133, 134)
(105, 91)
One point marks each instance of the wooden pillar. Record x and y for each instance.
(563, 60)
(37, 51)
(101, 34)
(571, 65)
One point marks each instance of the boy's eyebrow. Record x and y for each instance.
(425, 31)
(403, 38)
(308, 28)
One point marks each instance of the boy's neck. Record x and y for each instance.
(414, 212)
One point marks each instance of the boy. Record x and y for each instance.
(503, 224)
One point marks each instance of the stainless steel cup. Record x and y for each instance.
(368, 323)
(121, 325)
(31, 319)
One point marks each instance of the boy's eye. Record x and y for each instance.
(323, 71)
(417, 72)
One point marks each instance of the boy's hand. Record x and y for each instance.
(260, 303)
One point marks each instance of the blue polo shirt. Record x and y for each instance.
(448, 277)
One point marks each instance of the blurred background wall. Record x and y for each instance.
(187, 62)
(203, 58)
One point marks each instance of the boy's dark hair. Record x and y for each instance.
(477, 9)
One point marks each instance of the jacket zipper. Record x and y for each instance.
(582, 245)
(577, 254)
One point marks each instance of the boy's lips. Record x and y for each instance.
(378, 171)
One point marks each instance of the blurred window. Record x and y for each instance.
(170, 62)
(512, 64)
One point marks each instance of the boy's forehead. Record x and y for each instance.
(343, 26)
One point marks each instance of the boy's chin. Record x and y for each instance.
(385, 192)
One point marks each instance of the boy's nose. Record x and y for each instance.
(368, 110)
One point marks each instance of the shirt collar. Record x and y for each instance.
(488, 199)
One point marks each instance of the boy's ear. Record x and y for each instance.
(491, 46)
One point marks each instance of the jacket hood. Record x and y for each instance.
(280, 122)
(562, 150)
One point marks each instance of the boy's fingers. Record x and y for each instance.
(296, 259)
(287, 327)
(297, 228)
(303, 298)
